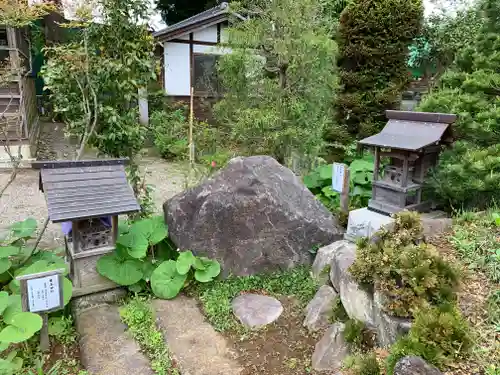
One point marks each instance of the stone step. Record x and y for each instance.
(193, 343)
(105, 346)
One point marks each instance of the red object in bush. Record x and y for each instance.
(214, 164)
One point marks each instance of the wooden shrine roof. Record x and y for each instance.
(411, 131)
(84, 189)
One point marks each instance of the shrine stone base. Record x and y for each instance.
(364, 223)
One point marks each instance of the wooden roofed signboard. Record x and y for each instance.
(412, 142)
(86, 197)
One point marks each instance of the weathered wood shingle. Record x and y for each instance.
(85, 189)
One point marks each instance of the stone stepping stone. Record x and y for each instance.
(255, 310)
(193, 343)
(105, 346)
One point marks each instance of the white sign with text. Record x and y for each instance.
(44, 293)
(338, 177)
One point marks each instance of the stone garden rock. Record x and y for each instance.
(319, 310)
(193, 343)
(415, 366)
(255, 310)
(357, 302)
(322, 262)
(331, 350)
(105, 346)
(389, 328)
(253, 216)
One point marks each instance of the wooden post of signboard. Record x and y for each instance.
(191, 120)
(340, 184)
(42, 293)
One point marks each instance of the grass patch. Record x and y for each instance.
(137, 314)
(216, 296)
(476, 239)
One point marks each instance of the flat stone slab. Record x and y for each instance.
(255, 310)
(105, 346)
(193, 343)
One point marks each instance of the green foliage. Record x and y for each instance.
(94, 80)
(17, 258)
(279, 81)
(61, 328)
(468, 175)
(338, 312)
(475, 239)
(407, 272)
(362, 364)
(354, 333)
(373, 39)
(319, 181)
(170, 133)
(137, 314)
(439, 335)
(144, 254)
(216, 297)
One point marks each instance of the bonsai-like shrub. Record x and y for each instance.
(439, 335)
(373, 39)
(408, 272)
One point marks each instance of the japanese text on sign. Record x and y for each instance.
(44, 293)
(338, 177)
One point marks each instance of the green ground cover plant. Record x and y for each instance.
(138, 315)
(17, 258)
(475, 237)
(216, 297)
(146, 258)
(409, 273)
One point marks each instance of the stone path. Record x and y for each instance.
(105, 346)
(195, 346)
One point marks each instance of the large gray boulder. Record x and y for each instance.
(331, 350)
(253, 216)
(319, 311)
(357, 302)
(389, 328)
(323, 261)
(415, 366)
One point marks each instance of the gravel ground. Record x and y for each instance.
(23, 199)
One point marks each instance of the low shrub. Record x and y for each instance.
(408, 272)
(170, 132)
(362, 364)
(439, 335)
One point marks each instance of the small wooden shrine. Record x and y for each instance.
(411, 143)
(87, 197)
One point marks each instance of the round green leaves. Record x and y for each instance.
(21, 327)
(121, 271)
(166, 282)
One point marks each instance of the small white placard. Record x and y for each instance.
(44, 293)
(338, 177)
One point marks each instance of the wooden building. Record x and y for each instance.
(18, 105)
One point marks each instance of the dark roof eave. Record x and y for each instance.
(166, 34)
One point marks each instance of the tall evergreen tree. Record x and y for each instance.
(373, 38)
